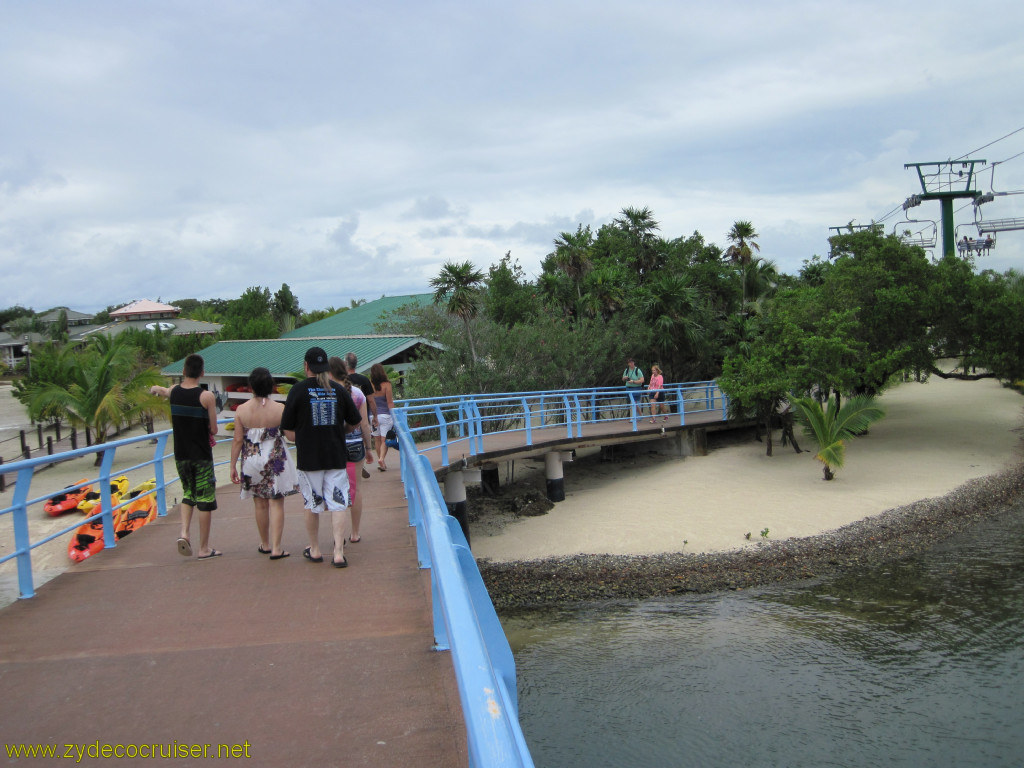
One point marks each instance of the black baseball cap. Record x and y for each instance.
(316, 359)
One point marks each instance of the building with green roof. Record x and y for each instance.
(360, 321)
(228, 363)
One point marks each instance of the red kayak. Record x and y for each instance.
(68, 500)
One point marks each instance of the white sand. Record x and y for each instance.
(935, 437)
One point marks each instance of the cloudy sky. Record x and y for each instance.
(167, 150)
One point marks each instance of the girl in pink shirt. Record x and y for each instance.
(657, 392)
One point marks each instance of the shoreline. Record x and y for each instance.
(893, 535)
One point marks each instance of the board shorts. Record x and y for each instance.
(198, 484)
(384, 423)
(324, 490)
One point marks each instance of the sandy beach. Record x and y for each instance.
(935, 438)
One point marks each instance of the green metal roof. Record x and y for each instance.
(360, 320)
(285, 356)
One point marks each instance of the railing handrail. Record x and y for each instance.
(461, 419)
(464, 619)
(24, 470)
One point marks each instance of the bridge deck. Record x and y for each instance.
(305, 663)
(310, 665)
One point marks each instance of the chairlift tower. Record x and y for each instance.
(945, 181)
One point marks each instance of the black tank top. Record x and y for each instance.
(190, 423)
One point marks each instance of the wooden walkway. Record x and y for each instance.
(307, 664)
(300, 664)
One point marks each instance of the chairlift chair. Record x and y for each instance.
(924, 237)
(973, 245)
(991, 226)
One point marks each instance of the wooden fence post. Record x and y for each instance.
(49, 446)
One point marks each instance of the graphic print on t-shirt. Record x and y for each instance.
(323, 407)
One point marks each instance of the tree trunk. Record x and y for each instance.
(828, 472)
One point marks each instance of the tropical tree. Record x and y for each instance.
(639, 226)
(831, 426)
(285, 308)
(105, 388)
(572, 254)
(510, 298)
(741, 252)
(457, 287)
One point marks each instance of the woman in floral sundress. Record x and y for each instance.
(267, 473)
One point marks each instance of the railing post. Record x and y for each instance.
(74, 439)
(158, 473)
(22, 542)
(568, 415)
(39, 434)
(442, 425)
(106, 500)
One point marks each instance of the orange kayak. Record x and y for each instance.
(68, 500)
(88, 539)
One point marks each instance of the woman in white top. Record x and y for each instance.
(267, 472)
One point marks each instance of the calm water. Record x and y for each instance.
(919, 664)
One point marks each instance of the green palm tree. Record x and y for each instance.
(458, 288)
(670, 308)
(741, 252)
(830, 426)
(105, 388)
(639, 225)
(572, 255)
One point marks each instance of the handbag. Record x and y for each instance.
(391, 439)
(356, 451)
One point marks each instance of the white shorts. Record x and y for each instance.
(384, 423)
(324, 490)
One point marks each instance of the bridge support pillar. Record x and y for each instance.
(455, 499)
(553, 474)
(489, 480)
(697, 440)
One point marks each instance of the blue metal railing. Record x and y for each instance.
(25, 471)
(465, 621)
(442, 423)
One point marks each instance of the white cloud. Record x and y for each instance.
(349, 151)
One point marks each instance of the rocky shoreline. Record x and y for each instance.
(890, 536)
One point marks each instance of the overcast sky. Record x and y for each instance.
(168, 150)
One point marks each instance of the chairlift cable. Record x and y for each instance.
(1011, 133)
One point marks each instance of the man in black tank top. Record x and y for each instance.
(194, 424)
